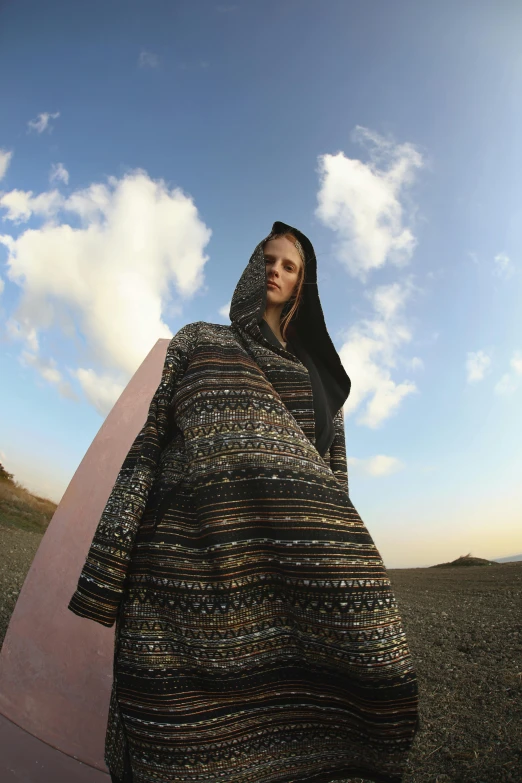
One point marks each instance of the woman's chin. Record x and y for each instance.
(273, 296)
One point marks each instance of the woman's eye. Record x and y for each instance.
(288, 267)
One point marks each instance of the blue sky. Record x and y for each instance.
(146, 148)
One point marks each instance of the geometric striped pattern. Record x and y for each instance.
(257, 635)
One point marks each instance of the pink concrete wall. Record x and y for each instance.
(56, 667)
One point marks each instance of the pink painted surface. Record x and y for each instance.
(25, 759)
(56, 667)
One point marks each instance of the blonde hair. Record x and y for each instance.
(296, 297)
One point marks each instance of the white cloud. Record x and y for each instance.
(16, 332)
(504, 267)
(436, 274)
(49, 372)
(101, 390)
(388, 300)
(380, 465)
(506, 385)
(21, 204)
(106, 284)
(225, 310)
(416, 363)
(5, 160)
(148, 59)
(59, 172)
(369, 353)
(516, 362)
(477, 363)
(41, 123)
(509, 383)
(362, 203)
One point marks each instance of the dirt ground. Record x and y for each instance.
(464, 627)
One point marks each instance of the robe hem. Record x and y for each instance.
(344, 776)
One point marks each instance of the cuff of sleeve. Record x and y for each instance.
(85, 605)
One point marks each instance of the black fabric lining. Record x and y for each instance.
(324, 426)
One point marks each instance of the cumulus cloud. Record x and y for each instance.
(511, 381)
(516, 362)
(148, 59)
(380, 465)
(30, 336)
(436, 274)
(364, 203)
(101, 389)
(506, 385)
(5, 160)
(59, 173)
(225, 310)
(135, 250)
(21, 204)
(370, 353)
(46, 367)
(416, 363)
(477, 364)
(503, 266)
(42, 122)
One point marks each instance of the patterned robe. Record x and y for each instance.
(257, 636)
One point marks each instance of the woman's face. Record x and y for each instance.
(283, 265)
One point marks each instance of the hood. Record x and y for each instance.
(307, 329)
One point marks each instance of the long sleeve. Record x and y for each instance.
(100, 585)
(338, 460)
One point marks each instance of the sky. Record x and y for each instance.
(147, 147)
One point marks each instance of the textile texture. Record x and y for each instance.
(257, 636)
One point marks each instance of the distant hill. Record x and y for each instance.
(20, 509)
(466, 560)
(510, 559)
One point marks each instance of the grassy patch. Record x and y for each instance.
(22, 510)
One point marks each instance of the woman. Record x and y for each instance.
(257, 636)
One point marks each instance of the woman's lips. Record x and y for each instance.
(270, 284)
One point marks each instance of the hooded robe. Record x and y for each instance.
(257, 637)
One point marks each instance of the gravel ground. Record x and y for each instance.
(17, 550)
(464, 627)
